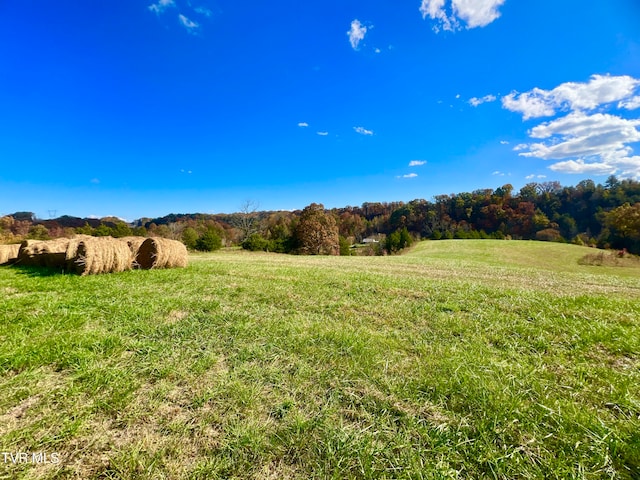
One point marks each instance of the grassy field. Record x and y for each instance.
(459, 359)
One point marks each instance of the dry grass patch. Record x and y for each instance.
(175, 316)
(610, 259)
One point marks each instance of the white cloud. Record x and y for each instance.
(408, 175)
(417, 163)
(477, 13)
(323, 134)
(599, 90)
(434, 9)
(479, 101)
(595, 144)
(629, 167)
(504, 142)
(356, 33)
(303, 124)
(188, 24)
(581, 167)
(530, 104)
(580, 135)
(363, 131)
(532, 176)
(473, 13)
(630, 104)
(582, 141)
(161, 6)
(377, 50)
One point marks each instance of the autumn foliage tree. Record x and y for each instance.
(624, 223)
(317, 232)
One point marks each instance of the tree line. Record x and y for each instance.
(600, 215)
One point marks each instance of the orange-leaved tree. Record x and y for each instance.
(317, 232)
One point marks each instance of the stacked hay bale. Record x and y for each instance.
(43, 253)
(9, 253)
(162, 253)
(95, 255)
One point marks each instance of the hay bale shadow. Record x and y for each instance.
(34, 271)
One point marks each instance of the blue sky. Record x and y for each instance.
(144, 108)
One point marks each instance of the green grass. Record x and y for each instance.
(459, 359)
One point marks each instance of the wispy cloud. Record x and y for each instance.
(190, 25)
(417, 163)
(532, 176)
(581, 141)
(408, 175)
(356, 33)
(479, 101)
(95, 181)
(161, 6)
(203, 11)
(451, 15)
(504, 142)
(363, 131)
(323, 134)
(303, 124)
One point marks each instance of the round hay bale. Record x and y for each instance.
(28, 253)
(96, 255)
(134, 245)
(43, 253)
(160, 252)
(72, 248)
(52, 252)
(9, 253)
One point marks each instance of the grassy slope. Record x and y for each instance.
(466, 359)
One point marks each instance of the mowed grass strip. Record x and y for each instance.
(459, 359)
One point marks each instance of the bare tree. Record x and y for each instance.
(247, 219)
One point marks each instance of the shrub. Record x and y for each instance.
(345, 246)
(190, 237)
(255, 243)
(398, 240)
(39, 232)
(209, 241)
(549, 235)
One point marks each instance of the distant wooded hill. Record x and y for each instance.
(603, 215)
